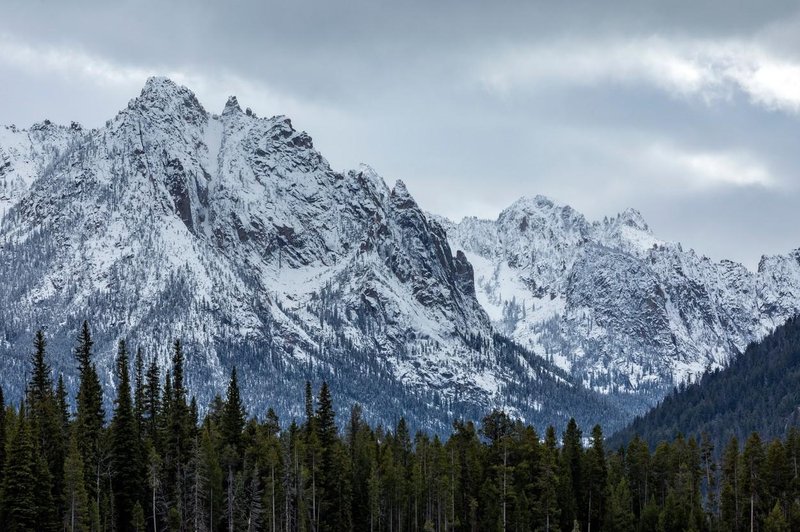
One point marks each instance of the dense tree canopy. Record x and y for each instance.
(757, 392)
(155, 466)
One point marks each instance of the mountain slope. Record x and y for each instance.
(624, 312)
(757, 392)
(233, 233)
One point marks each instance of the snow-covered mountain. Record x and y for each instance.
(624, 312)
(234, 234)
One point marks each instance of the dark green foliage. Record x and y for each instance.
(76, 512)
(90, 416)
(49, 437)
(127, 468)
(19, 497)
(233, 416)
(757, 392)
(3, 434)
(158, 466)
(151, 401)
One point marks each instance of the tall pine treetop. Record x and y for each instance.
(41, 385)
(83, 351)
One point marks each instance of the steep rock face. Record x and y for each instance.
(233, 233)
(27, 154)
(624, 312)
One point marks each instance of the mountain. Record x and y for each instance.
(624, 312)
(757, 392)
(234, 234)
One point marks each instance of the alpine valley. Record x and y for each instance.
(232, 233)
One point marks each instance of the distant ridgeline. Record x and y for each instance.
(157, 466)
(758, 392)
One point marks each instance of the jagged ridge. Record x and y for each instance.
(232, 232)
(625, 312)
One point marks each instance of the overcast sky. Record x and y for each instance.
(688, 111)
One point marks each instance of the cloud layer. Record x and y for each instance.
(688, 111)
(707, 69)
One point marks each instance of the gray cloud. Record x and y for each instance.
(686, 110)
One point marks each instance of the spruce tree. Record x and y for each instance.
(40, 388)
(151, 402)
(620, 517)
(232, 424)
(570, 477)
(47, 511)
(139, 390)
(778, 475)
(547, 481)
(47, 429)
(76, 516)
(233, 416)
(752, 479)
(334, 502)
(595, 475)
(63, 404)
(730, 491)
(90, 416)
(177, 440)
(3, 436)
(18, 495)
(126, 460)
(776, 521)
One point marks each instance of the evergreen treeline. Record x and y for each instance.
(757, 392)
(156, 466)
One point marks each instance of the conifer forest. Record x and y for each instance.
(153, 464)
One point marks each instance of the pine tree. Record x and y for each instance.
(63, 405)
(139, 391)
(570, 478)
(233, 416)
(778, 478)
(138, 524)
(40, 388)
(47, 429)
(47, 516)
(178, 435)
(595, 477)
(151, 402)
(18, 495)
(620, 516)
(548, 481)
(3, 436)
(729, 500)
(334, 496)
(90, 416)
(752, 479)
(776, 521)
(126, 460)
(232, 423)
(76, 516)
(709, 474)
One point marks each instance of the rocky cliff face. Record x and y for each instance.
(621, 310)
(233, 233)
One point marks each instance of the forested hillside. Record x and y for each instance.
(759, 391)
(152, 464)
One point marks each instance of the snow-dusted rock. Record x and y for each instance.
(234, 234)
(623, 311)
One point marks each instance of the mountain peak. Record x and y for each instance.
(633, 218)
(161, 95)
(232, 106)
(400, 190)
(537, 203)
(534, 201)
(159, 84)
